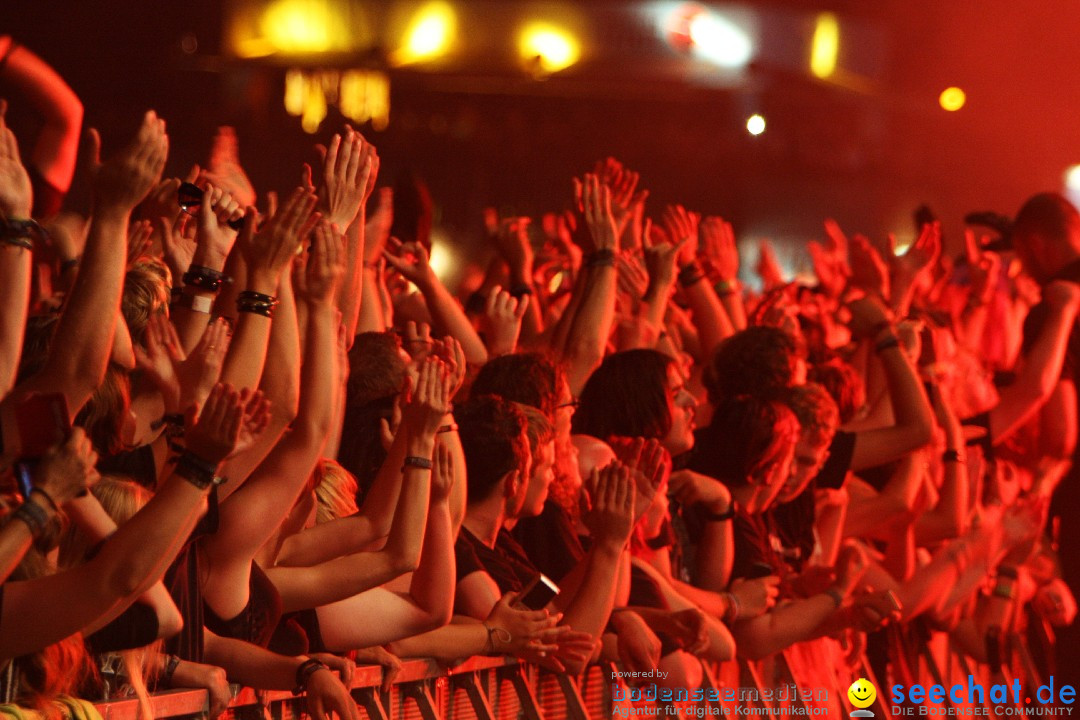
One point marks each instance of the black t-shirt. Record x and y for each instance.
(134, 628)
(834, 472)
(506, 563)
(549, 541)
(1036, 319)
(794, 524)
(182, 581)
(755, 547)
(257, 621)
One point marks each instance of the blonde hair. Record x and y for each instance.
(335, 491)
(121, 498)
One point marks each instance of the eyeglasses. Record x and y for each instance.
(189, 196)
(570, 404)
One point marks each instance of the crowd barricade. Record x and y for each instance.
(800, 681)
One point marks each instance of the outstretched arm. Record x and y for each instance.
(16, 199)
(58, 143)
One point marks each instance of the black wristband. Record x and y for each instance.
(34, 516)
(20, 233)
(304, 672)
(200, 473)
(170, 669)
(604, 257)
(45, 494)
(722, 517)
(691, 274)
(255, 302)
(204, 278)
(952, 456)
(416, 461)
(887, 343)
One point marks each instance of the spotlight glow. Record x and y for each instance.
(952, 99)
(554, 48)
(825, 46)
(430, 34)
(755, 125)
(1072, 178)
(719, 40)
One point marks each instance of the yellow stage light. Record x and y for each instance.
(429, 35)
(952, 99)
(755, 124)
(825, 46)
(553, 48)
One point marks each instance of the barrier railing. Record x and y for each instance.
(503, 689)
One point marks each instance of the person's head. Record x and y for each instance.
(759, 360)
(818, 419)
(493, 438)
(541, 437)
(335, 491)
(376, 376)
(843, 384)
(751, 444)
(528, 378)
(638, 393)
(1046, 235)
(146, 293)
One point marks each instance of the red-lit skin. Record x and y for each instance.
(680, 437)
(805, 465)
(540, 478)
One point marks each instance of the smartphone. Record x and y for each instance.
(538, 593)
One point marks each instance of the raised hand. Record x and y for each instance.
(122, 181)
(869, 271)
(921, 255)
(212, 432)
(319, 272)
(449, 350)
(430, 401)
(596, 201)
(214, 236)
(632, 278)
(347, 173)
(867, 314)
(411, 261)
(512, 241)
(177, 244)
(16, 195)
(768, 267)
(984, 268)
(718, 249)
(611, 498)
(224, 168)
(271, 248)
(503, 314)
(67, 469)
(182, 380)
(682, 228)
(661, 262)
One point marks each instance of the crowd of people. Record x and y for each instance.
(253, 438)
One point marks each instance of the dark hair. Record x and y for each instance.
(746, 435)
(492, 433)
(1046, 214)
(528, 378)
(816, 412)
(376, 372)
(626, 396)
(756, 361)
(843, 383)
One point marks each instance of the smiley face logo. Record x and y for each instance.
(862, 693)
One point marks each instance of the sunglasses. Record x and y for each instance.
(189, 196)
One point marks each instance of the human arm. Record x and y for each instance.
(16, 200)
(708, 313)
(77, 366)
(721, 261)
(57, 144)
(716, 548)
(914, 423)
